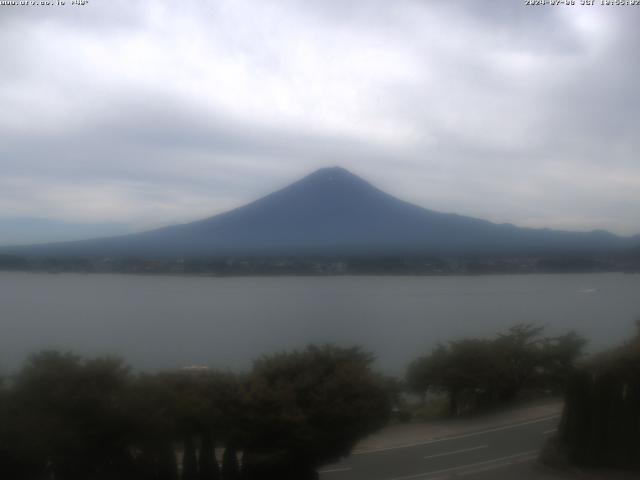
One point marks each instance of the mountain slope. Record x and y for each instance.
(333, 212)
(23, 230)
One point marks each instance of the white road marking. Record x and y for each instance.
(470, 465)
(457, 451)
(335, 470)
(457, 437)
(495, 466)
(549, 432)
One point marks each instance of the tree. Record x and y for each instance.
(230, 467)
(16, 461)
(151, 404)
(428, 372)
(71, 417)
(559, 357)
(519, 350)
(309, 407)
(189, 460)
(207, 464)
(180, 406)
(600, 426)
(479, 373)
(463, 369)
(166, 465)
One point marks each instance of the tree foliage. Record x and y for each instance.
(477, 373)
(600, 426)
(310, 407)
(70, 418)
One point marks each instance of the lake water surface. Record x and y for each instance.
(165, 322)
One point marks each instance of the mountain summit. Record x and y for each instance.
(334, 212)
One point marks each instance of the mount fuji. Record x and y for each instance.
(334, 212)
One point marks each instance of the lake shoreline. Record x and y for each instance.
(320, 275)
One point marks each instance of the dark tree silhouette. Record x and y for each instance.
(600, 425)
(310, 407)
(68, 418)
(189, 460)
(230, 466)
(167, 466)
(208, 468)
(479, 373)
(71, 418)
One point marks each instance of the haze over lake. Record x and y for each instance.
(165, 322)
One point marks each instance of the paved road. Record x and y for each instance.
(504, 452)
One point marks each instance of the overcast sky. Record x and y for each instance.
(154, 112)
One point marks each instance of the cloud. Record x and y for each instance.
(153, 113)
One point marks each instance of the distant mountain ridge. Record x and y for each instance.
(25, 230)
(334, 212)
